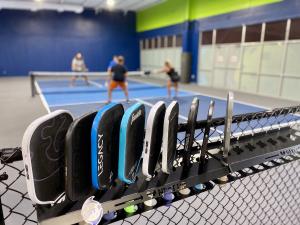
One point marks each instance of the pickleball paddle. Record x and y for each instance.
(153, 138)
(78, 149)
(43, 147)
(105, 145)
(190, 132)
(131, 142)
(170, 137)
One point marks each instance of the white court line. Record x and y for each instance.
(95, 84)
(150, 104)
(206, 95)
(44, 102)
(119, 100)
(225, 99)
(180, 116)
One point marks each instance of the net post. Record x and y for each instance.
(2, 222)
(228, 123)
(32, 87)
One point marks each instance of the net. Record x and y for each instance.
(60, 82)
(254, 192)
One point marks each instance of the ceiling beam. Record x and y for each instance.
(36, 6)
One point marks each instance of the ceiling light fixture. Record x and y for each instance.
(110, 3)
(43, 5)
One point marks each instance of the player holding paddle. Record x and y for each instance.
(78, 65)
(111, 64)
(117, 78)
(174, 77)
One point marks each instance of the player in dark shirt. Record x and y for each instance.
(117, 76)
(174, 77)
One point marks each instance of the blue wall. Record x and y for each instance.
(191, 31)
(48, 40)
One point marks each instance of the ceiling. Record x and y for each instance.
(78, 5)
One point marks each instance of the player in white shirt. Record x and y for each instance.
(78, 65)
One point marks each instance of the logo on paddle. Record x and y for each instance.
(135, 116)
(100, 154)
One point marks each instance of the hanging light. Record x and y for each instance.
(110, 3)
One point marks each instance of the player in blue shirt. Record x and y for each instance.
(118, 75)
(111, 64)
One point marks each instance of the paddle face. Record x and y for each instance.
(190, 131)
(43, 155)
(170, 137)
(153, 138)
(78, 157)
(105, 145)
(131, 142)
(206, 131)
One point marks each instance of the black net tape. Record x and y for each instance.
(251, 196)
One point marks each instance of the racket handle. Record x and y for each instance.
(9, 155)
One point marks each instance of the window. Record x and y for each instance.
(159, 42)
(275, 31)
(146, 46)
(295, 29)
(156, 42)
(170, 41)
(153, 42)
(163, 42)
(230, 35)
(141, 44)
(150, 44)
(207, 37)
(253, 33)
(178, 40)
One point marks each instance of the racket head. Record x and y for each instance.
(43, 155)
(153, 138)
(131, 142)
(105, 145)
(78, 149)
(207, 130)
(190, 131)
(170, 137)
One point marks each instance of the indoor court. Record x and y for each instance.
(149, 112)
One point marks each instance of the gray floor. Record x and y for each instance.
(18, 110)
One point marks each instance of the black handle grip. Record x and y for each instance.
(10, 155)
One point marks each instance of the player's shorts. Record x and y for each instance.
(175, 79)
(114, 84)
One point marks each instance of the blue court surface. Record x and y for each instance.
(83, 98)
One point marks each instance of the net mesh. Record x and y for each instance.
(270, 197)
(252, 196)
(16, 205)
